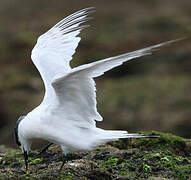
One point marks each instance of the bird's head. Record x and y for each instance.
(21, 143)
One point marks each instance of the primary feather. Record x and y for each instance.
(54, 49)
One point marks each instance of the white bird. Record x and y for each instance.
(67, 115)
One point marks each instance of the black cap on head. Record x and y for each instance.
(16, 130)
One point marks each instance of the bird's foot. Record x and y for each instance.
(27, 171)
(65, 159)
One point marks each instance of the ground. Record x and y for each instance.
(162, 158)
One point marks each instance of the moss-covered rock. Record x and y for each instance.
(166, 157)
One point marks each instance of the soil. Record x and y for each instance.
(162, 158)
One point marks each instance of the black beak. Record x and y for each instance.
(26, 161)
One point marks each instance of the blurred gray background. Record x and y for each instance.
(152, 93)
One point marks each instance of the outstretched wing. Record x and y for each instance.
(54, 49)
(76, 90)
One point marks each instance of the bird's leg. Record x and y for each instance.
(63, 162)
(65, 159)
(26, 161)
(45, 148)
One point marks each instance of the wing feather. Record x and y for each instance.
(76, 92)
(55, 48)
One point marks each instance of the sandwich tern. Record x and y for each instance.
(68, 112)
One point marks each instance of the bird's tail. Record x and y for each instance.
(109, 135)
(123, 134)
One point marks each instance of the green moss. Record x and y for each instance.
(147, 169)
(98, 148)
(110, 163)
(35, 161)
(25, 176)
(166, 156)
(12, 159)
(167, 141)
(166, 153)
(67, 176)
(12, 153)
